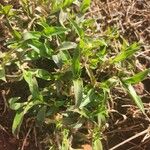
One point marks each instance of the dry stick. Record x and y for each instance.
(131, 138)
(25, 140)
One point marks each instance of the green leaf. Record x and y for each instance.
(65, 142)
(2, 73)
(67, 46)
(67, 2)
(42, 49)
(78, 89)
(76, 68)
(41, 73)
(17, 122)
(62, 17)
(129, 51)
(14, 105)
(20, 114)
(59, 4)
(134, 96)
(77, 29)
(85, 5)
(6, 9)
(51, 31)
(137, 77)
(97, 145)
(63, 57)
(96, 140)
(41, 115)
(32, 83)
(16, 34)
(87, 99)
(31, 35)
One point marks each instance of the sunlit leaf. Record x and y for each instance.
(137, 77)
(17, 122)
(2, 73)
(87, 99)
(6, 9)
(134, 96)
(76, 68)
(65, 142)
(32, 83)
(67, 46)
(51, 31)
(14, 104)
(77, 29)
(20, 115)
(62, 17)
(85, 5)
(78, 89)
(41, 73)
(129, 51)
(31, 35)
(41, 48)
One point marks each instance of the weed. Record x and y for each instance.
(84, 67)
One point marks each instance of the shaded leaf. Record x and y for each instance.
(41, 115)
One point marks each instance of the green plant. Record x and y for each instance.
(82, 70)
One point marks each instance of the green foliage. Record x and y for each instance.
(75, 85)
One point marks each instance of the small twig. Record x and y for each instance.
(3, 129)
(129, 139)
(35, 137)
(5, 101)
(25, 139)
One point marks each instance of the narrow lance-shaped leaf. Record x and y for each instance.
(32, 83)
(65, 142)
(67, 46)
(41, 115)
(85, 5)
(53, 30)
(87, 99)
(59, 4)
(78, 89)
(19, 116)
(2, 73)
(41, 73)
(62, 17)
(14, 104)
(137, 77)
(31, 35)
(77, 29)
(130, 89)
(129, 51)
(76, 68)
